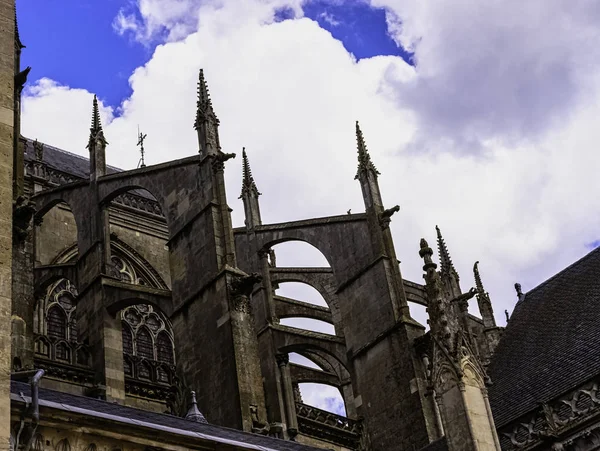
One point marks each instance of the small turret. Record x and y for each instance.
(206, 123)
(193, 413)
(97, 144)
(249, 194)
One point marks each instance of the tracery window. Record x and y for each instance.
(147, 334)
(55, 324)
(147, 344)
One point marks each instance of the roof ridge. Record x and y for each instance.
(560, 273)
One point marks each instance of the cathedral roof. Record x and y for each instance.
(64, 161)
(161, 422)
(551, 343)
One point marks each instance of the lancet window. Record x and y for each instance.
(55, 325)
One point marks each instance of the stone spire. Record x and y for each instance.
(446, 265)
(97, 144)
(96, 127)
(249, 194)
(367, 174)
(365, 164)
(248, 183)
(483, 300)
(193, 413)
(206, 123)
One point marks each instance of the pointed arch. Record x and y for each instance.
(144, 344)
(164, 349)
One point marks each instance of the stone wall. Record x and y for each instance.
(7, 73)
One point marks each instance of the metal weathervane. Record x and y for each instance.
(141, 139)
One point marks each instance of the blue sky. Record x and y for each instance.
(73, 41)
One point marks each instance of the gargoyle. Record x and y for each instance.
(22, 213)
(244, 285)
(390, 211)
(223, 157)
(466, 296)
(21, 77)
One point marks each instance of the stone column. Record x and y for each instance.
(7, 74)
(283, 361)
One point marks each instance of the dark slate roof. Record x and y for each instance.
(157, 419)
(71, 163)
(551, 343)
(439, 445)
(64, 161)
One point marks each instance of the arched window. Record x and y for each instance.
(57, 323)
(145, 346)
(127, 338)
(148, 350)
(164, 347)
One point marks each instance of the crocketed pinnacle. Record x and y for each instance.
(18, 42)
(446, 265)
(478, 282)
(193, 413)
(96, 127)
(204, 107)
(248, 183)
(364, 159)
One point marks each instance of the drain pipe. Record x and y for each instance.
(34, 379)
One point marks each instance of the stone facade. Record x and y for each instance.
(128, 290)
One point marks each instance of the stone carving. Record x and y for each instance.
(38, 149)
(551, 419)
(385, 216)
(21, 78)
(23, 211)
(241, 290)
(258, 427)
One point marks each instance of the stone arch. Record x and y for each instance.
(297, 254)
(297, 235)
(304, 388)
(304, 348)
(307, 322)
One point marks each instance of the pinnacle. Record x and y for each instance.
(204, 106)
(248, 183)
(445, 260)
(364, 159)
(478, 282)
(96, 126)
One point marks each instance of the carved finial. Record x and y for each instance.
(96, 127)
(520, 295)
(507, 315)
(446, 265)
(248, 183)
(204, 106)
(364, 159)
(426, 252)
(193, 413)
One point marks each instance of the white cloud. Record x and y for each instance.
(493, 136)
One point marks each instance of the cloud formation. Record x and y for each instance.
(492, 135)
